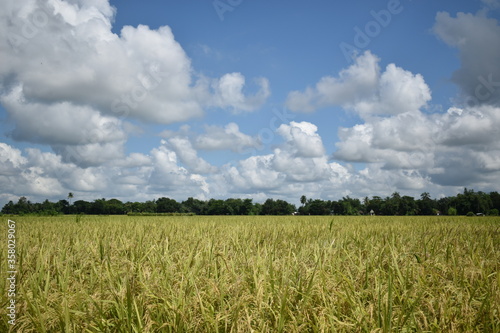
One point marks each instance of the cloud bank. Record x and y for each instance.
(68, 83)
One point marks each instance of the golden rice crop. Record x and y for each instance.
(255, 274)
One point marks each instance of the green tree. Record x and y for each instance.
(425, 204)
(376, 204)
(303, 200)
(149, 207)
(348, 206)
(114, 207)
(393, 204)
(319, 207)
(408, 206)
(98, 207)
(82, 207)
(24, 206)
(217, 207)
(277, 207)
(9, 208)
(167, 205)
(195, 206)
(495, 200)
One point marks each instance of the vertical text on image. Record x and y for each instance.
(11, 271)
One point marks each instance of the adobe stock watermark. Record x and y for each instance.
(484, 91)
(364, 36)
(28, 28)
(223, 6)
(11, 272)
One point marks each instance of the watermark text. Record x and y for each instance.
(11, 271)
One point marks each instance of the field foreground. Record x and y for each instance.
(254, 274)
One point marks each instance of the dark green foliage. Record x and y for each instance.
(277, 207)
(462, 204)
(167, 205)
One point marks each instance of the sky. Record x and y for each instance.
(248, 99)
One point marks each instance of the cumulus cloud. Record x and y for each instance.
(454, 148)
(299, 164)
(167, 176)
(228, 137)
(11, 160)
(355, 83)
(402, 141)
(363, 88)
(229, 93)
(40, 175)
(64, 51)
(189, 156)
(78, 133)
(302, 138)
(255, 174)
(59, 123)
(401, 145)
(66, 79)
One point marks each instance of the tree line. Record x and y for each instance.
(467, 203)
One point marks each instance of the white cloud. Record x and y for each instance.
(74, 57)
(299, 164)
(365, 90)
(303, 137)
(404, 141)
(168, 177)
(78, 133)
(189, 156)
(26, 174)
(66, 78)
(454, 148)
(60, 123)
(471, 127)
(399, 91)
(10, 160)
(92, 154)
(229, 93)
(174, 168)
(228, 137)
(255, 174)
(403, 146)
(356, 83)
(40, 175)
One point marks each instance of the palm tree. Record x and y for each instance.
(303, 200)
(70, 196)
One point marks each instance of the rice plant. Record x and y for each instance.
(255, 274)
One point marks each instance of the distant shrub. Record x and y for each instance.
(493, 212)
(470, 214)
(452, 211)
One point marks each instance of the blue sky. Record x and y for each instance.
(138, 100)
